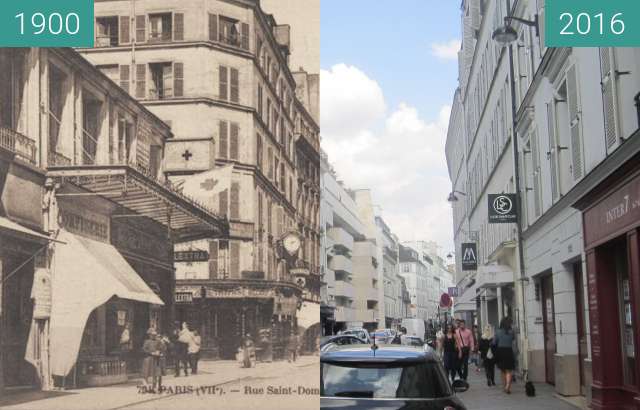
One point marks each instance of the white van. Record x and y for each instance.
(415, 327)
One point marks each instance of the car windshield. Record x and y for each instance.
(379, 380)
(357, 333)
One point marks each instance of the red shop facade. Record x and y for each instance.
(611, 227)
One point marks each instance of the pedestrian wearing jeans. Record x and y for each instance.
(466, 344)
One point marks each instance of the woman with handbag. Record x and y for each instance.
(505, 358)
(487, 354)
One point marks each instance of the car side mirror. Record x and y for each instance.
(460, 386)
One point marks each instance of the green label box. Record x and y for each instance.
(46, 23)
(592, 23)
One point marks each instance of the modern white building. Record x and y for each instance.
(392, 285)
(413, 268)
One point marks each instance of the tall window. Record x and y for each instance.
(161, 80)
(106, 31)
(229, 84)
(160, 27)
(91, 124)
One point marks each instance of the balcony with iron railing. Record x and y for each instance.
(19, 145)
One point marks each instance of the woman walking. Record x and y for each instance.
(152, 349)
(487, 354)
(503, 341)
(450, 353)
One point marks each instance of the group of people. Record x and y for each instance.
(457, 343)
(183, 346)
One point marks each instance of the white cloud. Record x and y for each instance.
(446, 51)
(349, 100)
(400, 156)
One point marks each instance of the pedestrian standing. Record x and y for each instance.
(194, 351)
(181, 348)
(465, 342)
(152, 349)
(487, 354)
(450, 352)
(440, 341)
(505, 358)
(293, 347)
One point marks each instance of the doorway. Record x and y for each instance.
(549, 328)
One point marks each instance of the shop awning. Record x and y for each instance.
(141, 195)
(490, 276)
(308, 315)
(85, 275)
(13, 228)
(466, 302)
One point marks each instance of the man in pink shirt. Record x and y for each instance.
(466, 344)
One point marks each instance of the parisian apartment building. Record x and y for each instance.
(217, 72)
(88, 223)
(575, 126)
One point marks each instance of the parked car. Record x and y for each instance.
(330, 342)
(382, 336)
(358, 332)
(415, 327)
(386, 377)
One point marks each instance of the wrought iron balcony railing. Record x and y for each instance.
(22, 146)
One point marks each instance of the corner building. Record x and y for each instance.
(217, 72)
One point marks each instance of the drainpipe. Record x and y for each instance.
(637, 104)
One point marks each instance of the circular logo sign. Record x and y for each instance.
(445, 301)
(502, 204)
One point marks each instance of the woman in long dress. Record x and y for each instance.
(450, 353)
(152, 350)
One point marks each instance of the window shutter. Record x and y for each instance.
(234, 212)
(259, 101)
(270, 162)
(141, 32)
(280, 221)
(551, 132)
(234, 260)
(577, 166)
(223, 205)
(178, 26)
(235, 86)
(259, 151)
(213, 27)
(141, 76)
(213, 259)
(244, 27)
(535, 162)
(125, 74)
(224, 140)
(233, 144)
(224, 83)
(178, 79)
(125, 33)
(610, 96)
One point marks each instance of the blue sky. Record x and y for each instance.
(391, 42)
(389, 71)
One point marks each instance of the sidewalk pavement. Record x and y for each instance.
(124, 395)
(482, 397)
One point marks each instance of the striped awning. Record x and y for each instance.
(138, 194)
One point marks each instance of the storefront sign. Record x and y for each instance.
(83, 223)
(502, 208)
(453, 292)
(128, 238)
(41, 293)
(613, 214)
(191, 256)
(469, 256)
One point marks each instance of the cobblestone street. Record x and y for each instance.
(226, 376)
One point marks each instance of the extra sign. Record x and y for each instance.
(469, 256)
(502, 208)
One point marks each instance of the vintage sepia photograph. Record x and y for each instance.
(159, 210)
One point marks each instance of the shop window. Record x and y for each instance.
(625, 313)
(91, 336)
(106, 31)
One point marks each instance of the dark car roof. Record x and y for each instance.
(329, 339)
(383, 354)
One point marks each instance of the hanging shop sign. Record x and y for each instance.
(41, 293)
(502, 208)
(469, 256)
(453, 292)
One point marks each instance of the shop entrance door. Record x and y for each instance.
(580, 315)
(549, 327)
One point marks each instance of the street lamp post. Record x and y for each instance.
(505, 36)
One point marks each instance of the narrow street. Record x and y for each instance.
(481, 397)
(220, 384)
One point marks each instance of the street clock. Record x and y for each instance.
(292, 242)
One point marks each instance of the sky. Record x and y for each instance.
(388, 74)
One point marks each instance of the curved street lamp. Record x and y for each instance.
(452, 196)
(506, 34)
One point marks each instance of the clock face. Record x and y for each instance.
(291, 243)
